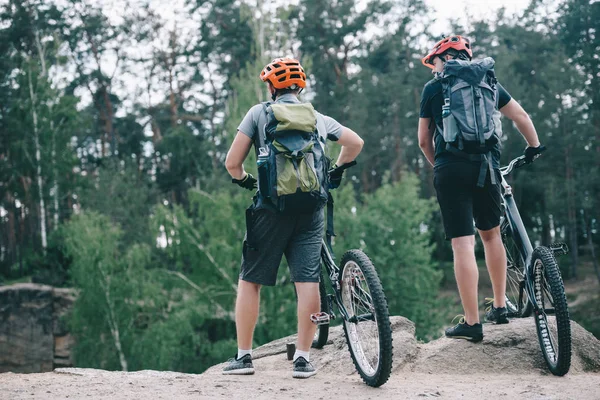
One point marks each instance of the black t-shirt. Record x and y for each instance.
(432, 100)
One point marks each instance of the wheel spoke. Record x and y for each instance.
(363, 333)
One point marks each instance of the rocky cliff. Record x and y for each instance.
(33, 332)
(506, 365)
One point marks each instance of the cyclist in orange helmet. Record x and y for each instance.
(457, 176)
(297, 235)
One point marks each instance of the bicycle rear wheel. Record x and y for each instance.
(555, 339)
(368, 330)
(517, 301)
(322, 333)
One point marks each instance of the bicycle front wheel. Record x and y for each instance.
(517, 302)
(555, 339)
(368, 329)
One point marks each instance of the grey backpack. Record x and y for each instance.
(471, 120)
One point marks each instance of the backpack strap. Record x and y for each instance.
(262, 133)
(485, 160)
(329, 233)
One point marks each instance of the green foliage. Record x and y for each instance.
(126, 198)
(135, 116)
(130, 314)
(392, 225)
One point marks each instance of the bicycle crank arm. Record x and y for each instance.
(559, 248)
(320, 318)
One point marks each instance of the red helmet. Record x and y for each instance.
(456, 42)
(283, 73)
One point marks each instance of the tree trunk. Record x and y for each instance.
(112, 321)
(588, 231)
(38, 160)
(171, 67)
(546, 236)
(571, 212)
(55, 183)
(398, 150)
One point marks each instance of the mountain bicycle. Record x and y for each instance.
(355, 290)
(534, 284)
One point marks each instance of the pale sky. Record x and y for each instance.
(172, 11)
(443, 9)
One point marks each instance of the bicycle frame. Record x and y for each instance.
(333, 272)
(334, 275)
(517, 229)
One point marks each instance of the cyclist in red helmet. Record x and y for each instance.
(296, 235)
(456, 176)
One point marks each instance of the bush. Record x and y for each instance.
(391, 225)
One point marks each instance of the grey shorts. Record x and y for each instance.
(270, 235)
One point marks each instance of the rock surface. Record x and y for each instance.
(507, 364)
(33, 333)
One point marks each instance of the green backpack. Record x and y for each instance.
(292, 165)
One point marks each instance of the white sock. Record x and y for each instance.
(300, 353)
(242, 353)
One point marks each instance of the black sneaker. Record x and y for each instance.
(303, 369)
(241, 366)
(492, 314)
(462, 330)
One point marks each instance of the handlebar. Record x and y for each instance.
(521, 160)
(516, 163)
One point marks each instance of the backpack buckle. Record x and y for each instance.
(263, 151)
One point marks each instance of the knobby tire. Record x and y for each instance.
(379, 308)
(548, 282)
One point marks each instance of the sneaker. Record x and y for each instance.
(241, 366)
(303, 369)
(462, 330)
(492, 314)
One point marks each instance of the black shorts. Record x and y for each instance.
(270, 235)
(462, 201)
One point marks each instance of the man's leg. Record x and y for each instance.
(246, 315)
(467, 275)
(309, 303)
(495, 259)
(246, 312)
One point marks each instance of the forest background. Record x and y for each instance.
(113, 133)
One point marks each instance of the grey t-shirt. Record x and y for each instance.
(328, 127)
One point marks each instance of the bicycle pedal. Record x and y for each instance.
(320, 318)
(559, 248)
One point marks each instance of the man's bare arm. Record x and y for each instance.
(237, 154)
(515, 112)
(352, 145)
(426, 139)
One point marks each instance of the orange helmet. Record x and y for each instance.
(456, 42)
(283, 73)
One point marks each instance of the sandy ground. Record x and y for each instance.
(269, 384)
